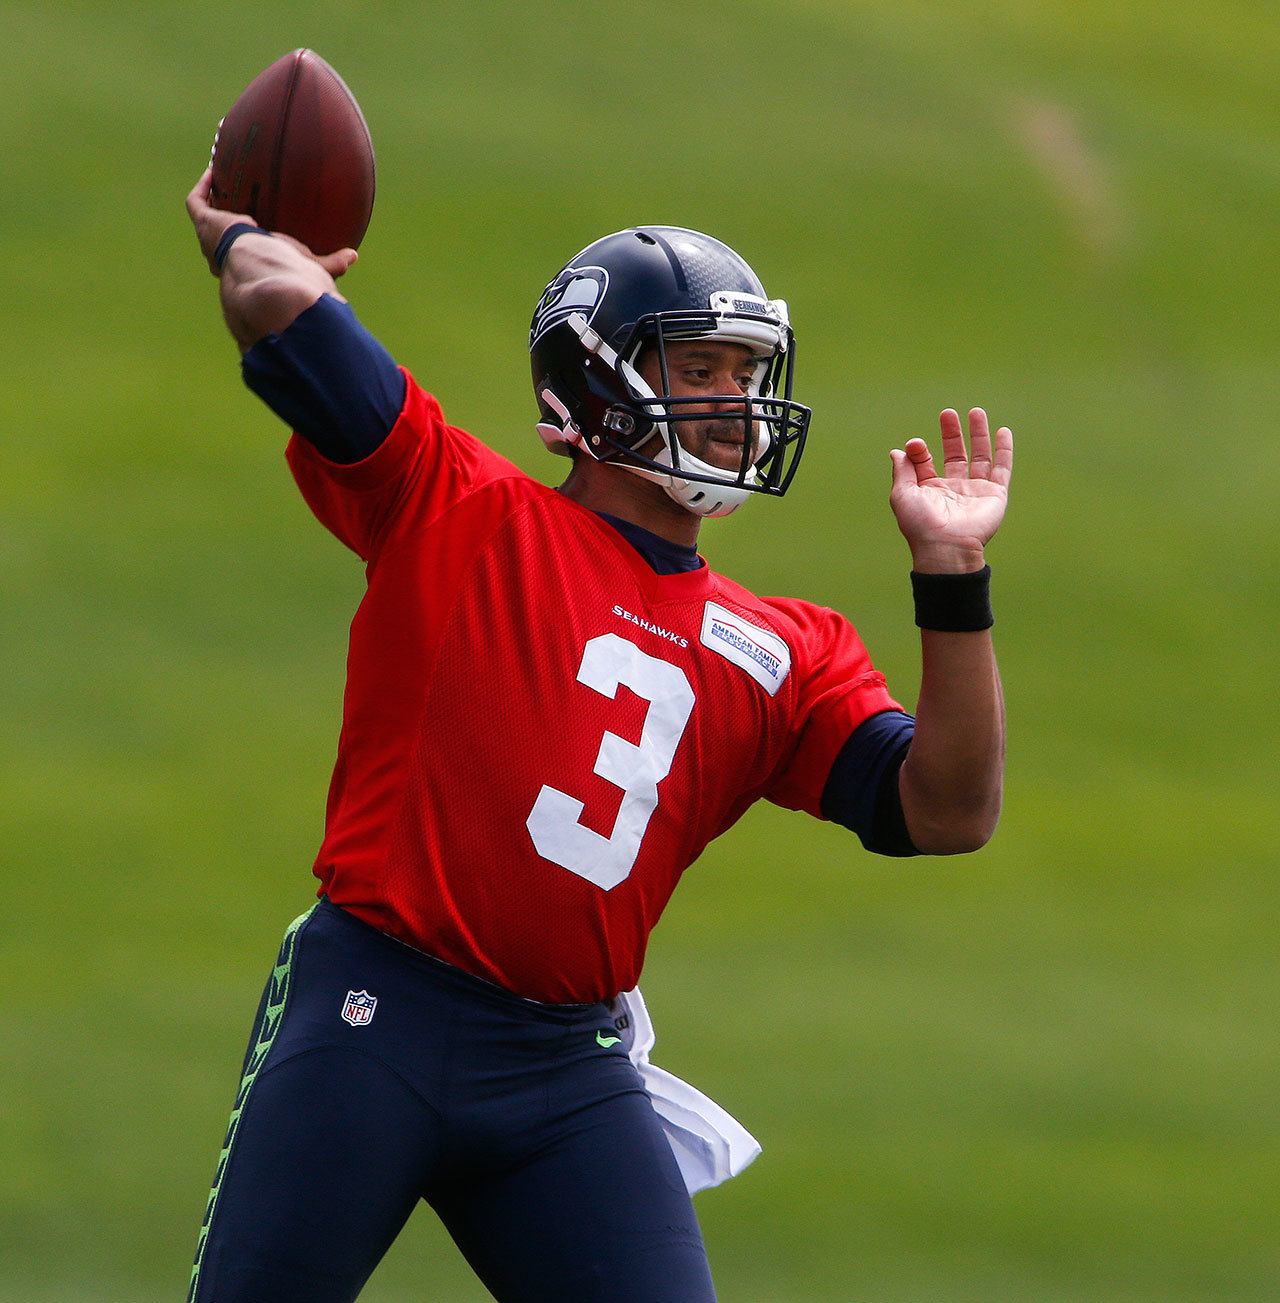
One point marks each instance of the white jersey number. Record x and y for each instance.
(608, 661)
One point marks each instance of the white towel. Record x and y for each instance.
(710, 1146)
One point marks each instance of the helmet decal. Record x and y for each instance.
(575, 289)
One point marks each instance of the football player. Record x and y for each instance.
(553, 704)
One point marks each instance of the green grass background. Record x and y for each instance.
(1045, 1072)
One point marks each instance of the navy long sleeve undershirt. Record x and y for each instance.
(329, 379)
(862, 789)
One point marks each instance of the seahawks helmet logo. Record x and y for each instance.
(576, 289)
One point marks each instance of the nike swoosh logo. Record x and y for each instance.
(605, 1041)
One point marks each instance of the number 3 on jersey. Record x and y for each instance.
(608, 661)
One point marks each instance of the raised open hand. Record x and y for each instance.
(948, 519)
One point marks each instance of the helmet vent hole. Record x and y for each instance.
(697, 497)
(645, 239)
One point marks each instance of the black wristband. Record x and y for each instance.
(953, 603)
(230, 236)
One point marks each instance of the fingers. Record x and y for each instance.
(204, 217)
(198, 199)
(980, 443)
(912, 464)
(1002, 473)
(337, 264)
(202, 212)
(955, 461)
(979, 464)
(903, 475)
(210, 222)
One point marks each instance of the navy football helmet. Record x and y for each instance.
(641, 289)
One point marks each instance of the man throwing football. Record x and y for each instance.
(553, 704)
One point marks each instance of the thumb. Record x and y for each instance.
(904, 474)
(339, 263)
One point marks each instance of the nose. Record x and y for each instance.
(729, 384)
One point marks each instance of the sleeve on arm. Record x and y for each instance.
(837, 690)
(371, 451)
(422, 468)
(861, 792)
(330, 380)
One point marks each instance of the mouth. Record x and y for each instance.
(730, 433)
(725, 453)
(722, 443)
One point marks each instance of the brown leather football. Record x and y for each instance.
(294, 152)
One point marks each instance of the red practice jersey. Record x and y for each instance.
(540, 734)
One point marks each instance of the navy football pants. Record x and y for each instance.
(534, 1143)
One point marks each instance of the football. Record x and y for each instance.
(294, 152)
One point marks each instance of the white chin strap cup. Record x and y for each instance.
(697, 496)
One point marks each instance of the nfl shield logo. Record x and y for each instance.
(358, 1010)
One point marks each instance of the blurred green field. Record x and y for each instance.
(1045, 1072)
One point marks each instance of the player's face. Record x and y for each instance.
(712, 367)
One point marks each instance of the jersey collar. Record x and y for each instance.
(685, 585)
